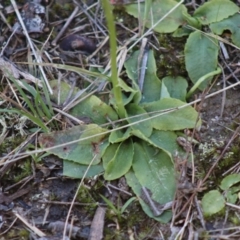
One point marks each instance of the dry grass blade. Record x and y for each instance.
(88, 74)
(38, 58)
(30, 226)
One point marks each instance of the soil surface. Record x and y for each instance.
(35, 192)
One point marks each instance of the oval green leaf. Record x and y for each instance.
(120, 135)
(212, 203)
(232, 194)
(152, 84)
(231, 24)
(94, 109)
(121, 161)
(229, 181)
(109, 154)
(91, 109)
(84, 150)
(75, 170)
(136, 113)
(215, 11)
(201, 57)
(176, 86)
(158, 9)
(173, 120)
(164, 140)
(136, 187)
(155, 171)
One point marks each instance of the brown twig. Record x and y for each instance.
(37, 57)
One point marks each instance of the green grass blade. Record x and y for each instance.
(24, 96)
(113, 55)
(35, 120)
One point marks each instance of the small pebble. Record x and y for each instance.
(79, 43)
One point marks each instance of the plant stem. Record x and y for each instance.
(200, 80)
(113, 54)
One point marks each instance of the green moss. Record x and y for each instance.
(23, 170)
(228, 160)
(53, 197)
(90, 197)
(11, 143)
(204, 235)
(234, 219)
(85, 196)
(68, 7)
(170, 56)
(132, 218)
(21, 234)
(231, 157)
(24, 234)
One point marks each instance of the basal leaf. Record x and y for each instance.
(136, 113)
(164, 91)
(175, 120)
(109, 154)
(209, 198)
(158, 9)
(154, 171)
(132, 72)
(232, 194)
(125, 87)
(176, 86)
(192, 21)
(229, 181)
(126, 98)
(201, 56)
(75, 170)
(152, 85)
(120, 135)
(92, 108)
(121, 161)
(82, 151)
(60, 91)
(231, 24)
(215, 11)
(128, 93)
(136, 187)
(164, 140)
(182, 31)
